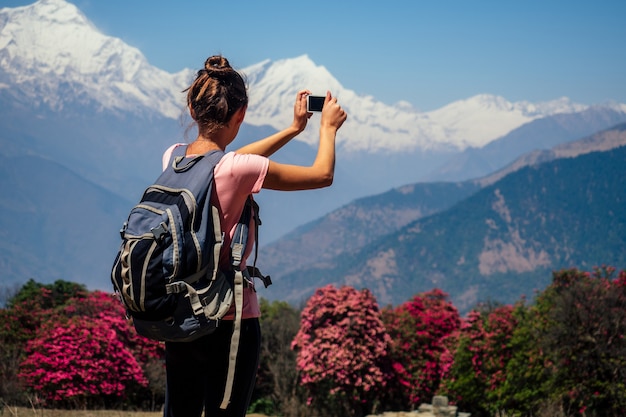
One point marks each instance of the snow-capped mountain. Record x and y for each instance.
(50, 46)
(375, 126)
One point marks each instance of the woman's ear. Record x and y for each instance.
(240, 114)
(191, 112)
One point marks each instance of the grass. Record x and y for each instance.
(29, 412)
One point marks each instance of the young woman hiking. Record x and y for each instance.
(217, 101)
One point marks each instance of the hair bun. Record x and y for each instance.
(216, 64)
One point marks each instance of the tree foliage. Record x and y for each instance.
(86, 354)
(564, 354)
(584, 341)
(277, 389)
(55, 294)
(480, 361)
(424, 332)
(343, 351)
(26, 311)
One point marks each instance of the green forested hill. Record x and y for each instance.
(500, 243)
(357, 224)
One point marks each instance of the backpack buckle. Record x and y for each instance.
(177, 287)
(123, 229)
(160, 231)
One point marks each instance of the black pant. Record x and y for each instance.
(196, 372)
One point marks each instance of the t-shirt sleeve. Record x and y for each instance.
(167, 155)
(242, 173)
(236, 177)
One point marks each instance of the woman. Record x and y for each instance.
(217, 101)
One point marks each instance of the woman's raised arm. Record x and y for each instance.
(287, 177)
(269, 145)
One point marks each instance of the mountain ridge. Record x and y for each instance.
(342, 235)
(73, 51)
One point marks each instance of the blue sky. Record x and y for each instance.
(428, 53)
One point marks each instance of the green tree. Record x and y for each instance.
(55, 294)
(19, 322)
(585, 316)
(276, 390)
(569, 351)
(524, 389)
(481, 360)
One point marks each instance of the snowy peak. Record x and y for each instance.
(50, 44)
(273, 87)
(478, 120)
(487, 102)
(290, 71)
(374, 126)
(51, 36)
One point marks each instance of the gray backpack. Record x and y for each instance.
(166, 270)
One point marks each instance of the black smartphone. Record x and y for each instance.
(315, 103)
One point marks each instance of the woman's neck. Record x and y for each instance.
(203, 145)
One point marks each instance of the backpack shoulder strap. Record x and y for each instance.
(178, 151)
(240, 241)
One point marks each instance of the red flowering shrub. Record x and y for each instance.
(72, 361)
(86, 354)
(491, 348)
(424, 332)
(481, 359)
(109, 309)
(342, 350)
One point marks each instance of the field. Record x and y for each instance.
(27, 412)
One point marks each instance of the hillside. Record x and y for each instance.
(357, 224)
(498, 244)
(55, 225)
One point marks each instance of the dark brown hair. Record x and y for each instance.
(216, 94)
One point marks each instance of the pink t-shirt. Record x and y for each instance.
(236, 177)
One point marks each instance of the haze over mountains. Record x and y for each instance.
(79, 104)
(492, 238)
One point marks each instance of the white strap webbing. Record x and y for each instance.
(234, 341)
(218, 237)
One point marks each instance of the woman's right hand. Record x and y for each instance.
(295, 177)
(333, 115)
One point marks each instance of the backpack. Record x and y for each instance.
(166, 269)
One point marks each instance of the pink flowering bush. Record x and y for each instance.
(424, 332)
(86, 354)
(490, 347)
(109, 309)
(342, 351)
